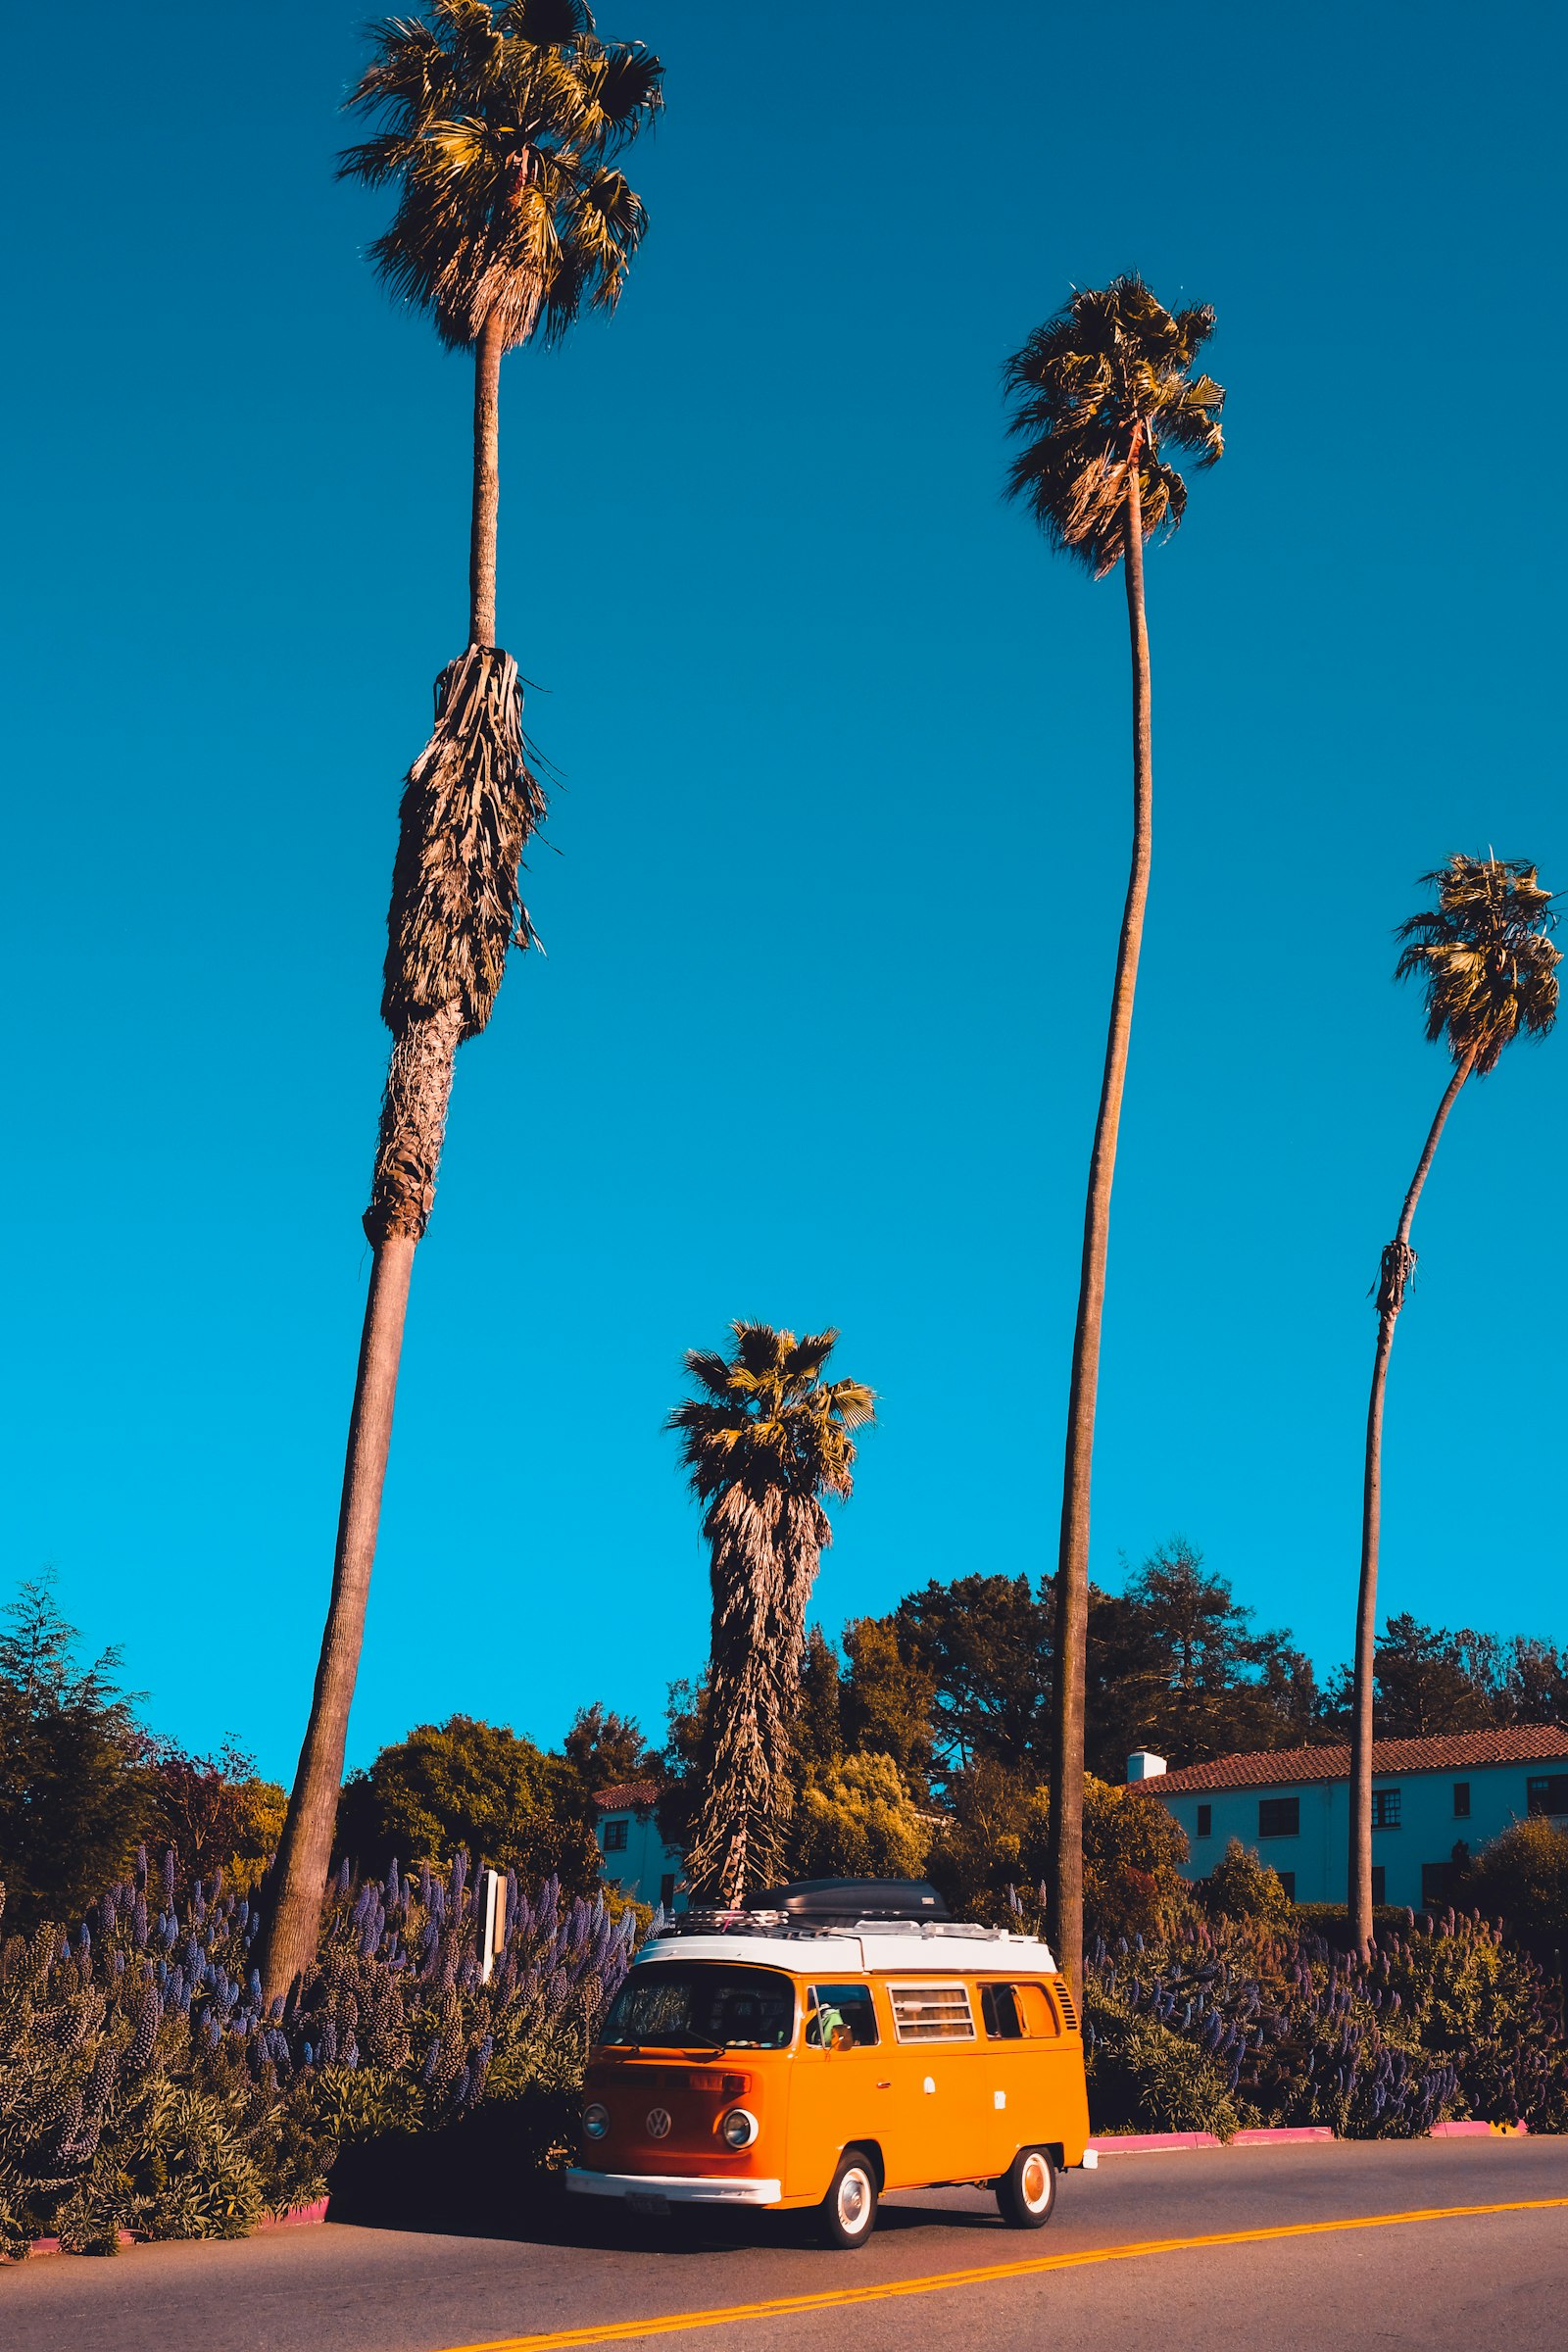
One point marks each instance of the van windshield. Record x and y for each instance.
(729, 2008)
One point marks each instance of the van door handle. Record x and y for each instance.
(884, 2086)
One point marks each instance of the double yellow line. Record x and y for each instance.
(780, 2307)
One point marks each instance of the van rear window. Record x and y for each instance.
(932, 2012)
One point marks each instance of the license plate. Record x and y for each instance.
(645, 2201)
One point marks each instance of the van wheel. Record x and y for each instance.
(848, 2213)
(1026, 2193)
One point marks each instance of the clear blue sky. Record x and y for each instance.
(832, 892)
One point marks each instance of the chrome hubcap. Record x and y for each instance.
(1036, 2182)
(854, 2194)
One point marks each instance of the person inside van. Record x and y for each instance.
(840, 2017)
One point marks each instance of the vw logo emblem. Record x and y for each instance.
(658, 2122)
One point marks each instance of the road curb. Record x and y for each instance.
(1178, 2143)
(298, 2217)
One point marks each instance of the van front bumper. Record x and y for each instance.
(673, 2188)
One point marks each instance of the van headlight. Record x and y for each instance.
(739, 2128)
(595, 2119)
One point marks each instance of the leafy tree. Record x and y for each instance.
(887, 1700)
(1535, 1681)
(1489, 975)
(1427, 1681)
(71, 1794)
(766, 1439)
(605, 1749)
(213, 1810)
(991, 1841)
(1174, 1665)
(498, 126)
(857, 1819)
(475, 1787)
(817, 1736)
(984, 1643)
(1100, 393)
(1133, 1851)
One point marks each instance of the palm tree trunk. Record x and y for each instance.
(413, 1112)
(1066, 1858)
(300, 1872)
(486, 482)
(1399, 1264)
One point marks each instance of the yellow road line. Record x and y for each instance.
(778, 2306)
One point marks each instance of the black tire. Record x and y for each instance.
(1026, 2193)
(847, 2215)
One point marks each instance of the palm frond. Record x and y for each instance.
(495, 123)
(708, 1369)
(1097, 390)
(768, 1422)
(1484, 957)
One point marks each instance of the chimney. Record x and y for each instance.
(1144, 1765)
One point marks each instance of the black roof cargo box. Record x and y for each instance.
(813, 1902)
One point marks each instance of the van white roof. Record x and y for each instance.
(935, 1948)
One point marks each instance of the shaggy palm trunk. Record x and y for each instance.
(1398, 1265)
(764, 1556)
(1066, 1850)
(468, 806)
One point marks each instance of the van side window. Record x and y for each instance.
(1016, 2013)
(999, 2010)
(932, 2012)
(840, 2017)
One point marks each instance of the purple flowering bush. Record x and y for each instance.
(144, 2085)
(1226, 2024)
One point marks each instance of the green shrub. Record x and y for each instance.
(1241, 1887)
(1142, 2077)
(1521, 1878)
(144, 2087)
(1444, 2018)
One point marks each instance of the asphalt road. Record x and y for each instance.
(1430, 2282)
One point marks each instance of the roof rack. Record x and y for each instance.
(778, 1924)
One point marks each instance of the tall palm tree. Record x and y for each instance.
(766, 1439)
(497, 125)
(1100, 393)
(1490, 975)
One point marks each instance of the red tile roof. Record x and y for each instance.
(627, 1796)
(1448, 1751)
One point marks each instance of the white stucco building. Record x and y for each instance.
(1291, 1807)
(633, 1856)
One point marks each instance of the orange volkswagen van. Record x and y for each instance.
(842, 2038)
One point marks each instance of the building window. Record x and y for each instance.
(1385, 1809)
(616, 1836)
(1286, 1878)
(1548, 1792)
(1278, 1817)
(1461, 1800)
(666, 1890)
(1205, 1821)
(1379, 1885)
(1437, 1885)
